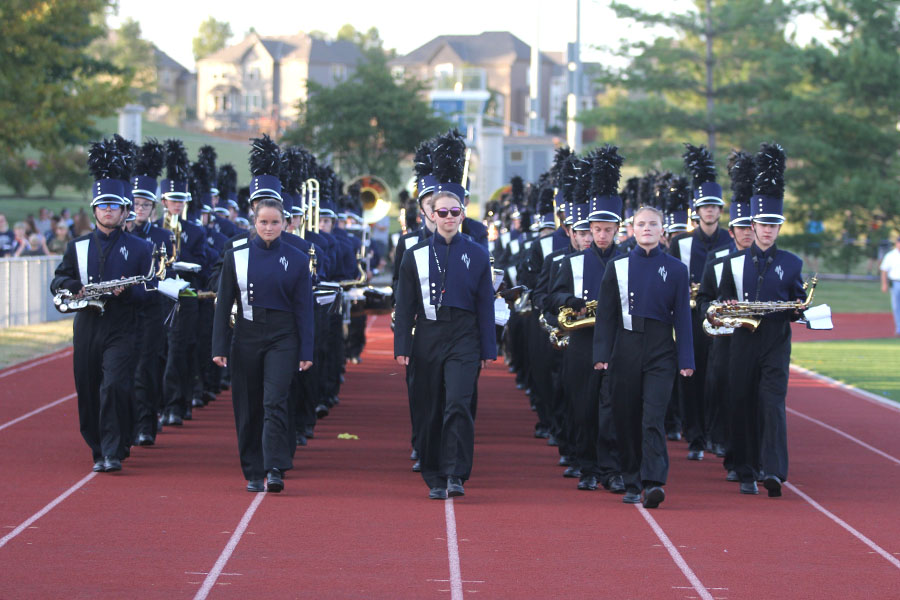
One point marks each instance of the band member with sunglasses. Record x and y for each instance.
(104, 341)
(273, 337)
(445, 291)
(645, 293)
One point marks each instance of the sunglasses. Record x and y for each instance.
(108, 205)
(445, 212)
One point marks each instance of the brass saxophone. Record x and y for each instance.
(568, 321)
(749, 314)
(695, 289)
(559, 342)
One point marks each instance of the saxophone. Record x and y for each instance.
(95, 295)
(559, 342)
(749, 314)
(568, 321)
(695, 289)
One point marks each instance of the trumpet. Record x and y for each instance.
(749, 314)
(569, 322)
(95, 295)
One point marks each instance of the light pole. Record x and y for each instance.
(573, 127)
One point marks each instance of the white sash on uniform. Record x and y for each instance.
(423, 266)
(622, 280)
(577, 263)
(684, 247)
(241, 266)
(737, 270)
(81, 252)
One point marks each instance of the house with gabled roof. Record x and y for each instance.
(257, 83)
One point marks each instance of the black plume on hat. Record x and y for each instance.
(265, 156)
(605, 171)
(545, 201)
(227, 180)
(150, 160)
(286, 173)
(127, 150)
(104, 161)
(422, 163)
(679, 197)
(662, 183)
(449, 157)
(325, 175)
(568, 177)
(582, 190)
(742, 173)
(178, 165)
(207, 155)
(518, 189)
(700, 164)
(403, 196)
(560, 158)
(199, 179)
(770, 164)
(631, 193)
(647, 190)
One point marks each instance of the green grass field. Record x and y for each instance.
(867, 364)
(22, 343)
(852, 296)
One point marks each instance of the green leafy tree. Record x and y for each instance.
(212, 37)
(128, 51)
(51, 86)
(367, 123)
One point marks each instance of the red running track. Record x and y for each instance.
(354, 522)
(849, 326)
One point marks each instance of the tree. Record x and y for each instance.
(212, 37)
(367, 123)
(725, 72)
(128, 51)
(51, 86)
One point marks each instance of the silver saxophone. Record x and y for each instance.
(95, 295)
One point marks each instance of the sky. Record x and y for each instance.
(403, 24)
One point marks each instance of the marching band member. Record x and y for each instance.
(646, 292)
(152, 313)
(273, 334)
(760, 359)
(104, 342)
(694, 249)
(718, 380)
(578, 283)
(445, 291)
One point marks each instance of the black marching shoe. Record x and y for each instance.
(208, 396)
(300, 439)
(197, 402)
(632, 496)
(144, 439)
(552, 441)
(173, 419)
(772, 483)
(719, 450)
(98, 466)
(572, 472)
(565, 461)
(188, 414)
(749, 487)
(587, 482)
(111, 463)
(417, 467)
(322, 411)
(437, 493)
(455, 487)
(414, 455)
(654, 496)
(732, 476)
(674, 436)
(226, 385)
(695, 455)
(274, 481)
(310, 432)
(256, 485)
(615, 484)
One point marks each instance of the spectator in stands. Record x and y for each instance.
(38, 245)
(30, 227)
(66, 215)
(20, 241)
(7, 239)
(43, 224)
(82, 224)
(890, 281)
(61, 237)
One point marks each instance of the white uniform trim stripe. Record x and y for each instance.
(424, 269)
(684, 246)
(718, 271)
(504, 239)
(513, 273)
(239, 243)
(737, 270)
(81, 252)
(547, 245)
(622, 279)
(514, 247)
(241, 266)
(577, 263)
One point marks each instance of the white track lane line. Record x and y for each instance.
(9, 536)
(873, 398)
(37, 410)
(49, 358)
(846, 435)
(675, 554)
(456, 590)
(213, 575)
(878, 549)
(371, 322)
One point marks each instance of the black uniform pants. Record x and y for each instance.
(719, 395)
(264, 358)
(178, 384)
(582, 391)
(104, 374)
(447, 357)
(356, 336)
(642, 368)
(150, 366)
(207, 371)
(759, 378)
(517, 345)
(697, 410)
(543, 360)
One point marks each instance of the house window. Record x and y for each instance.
(516, 157)
(398, 71)
(338, 72)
